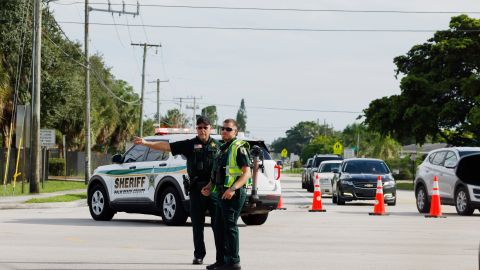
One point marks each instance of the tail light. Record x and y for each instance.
(277, 172)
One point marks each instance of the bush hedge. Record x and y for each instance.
(56, 166)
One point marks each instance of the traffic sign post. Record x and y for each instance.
(47, 137)
(337, 148)
(284, 153)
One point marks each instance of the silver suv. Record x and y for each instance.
(453, 191)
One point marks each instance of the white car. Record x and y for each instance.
(443, 163)
(325, 175)
(149, 181)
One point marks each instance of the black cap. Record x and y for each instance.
(203, 120)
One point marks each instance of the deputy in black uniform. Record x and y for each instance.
(231, 176)
(200, 153)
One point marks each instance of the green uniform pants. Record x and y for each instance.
(228, 212)
(198, 206)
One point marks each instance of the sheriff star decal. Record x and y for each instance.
(151, 181)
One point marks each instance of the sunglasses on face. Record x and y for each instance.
(202, 127)
(229, 129)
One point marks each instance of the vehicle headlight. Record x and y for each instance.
(345, 182)
(389, 183)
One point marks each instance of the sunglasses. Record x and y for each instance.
(229, 129)
(200, 127)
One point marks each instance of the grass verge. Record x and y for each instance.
(405, 186)
(59, 198)
(49, 186)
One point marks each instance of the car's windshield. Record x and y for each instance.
(319, 160)
(328, 167)
(366, 167)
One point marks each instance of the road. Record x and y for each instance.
(345, 237)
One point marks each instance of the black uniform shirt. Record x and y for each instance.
(243, 160)
(200, 157)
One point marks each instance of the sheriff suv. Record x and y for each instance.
(149, 181)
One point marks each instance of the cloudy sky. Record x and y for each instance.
(284, 76)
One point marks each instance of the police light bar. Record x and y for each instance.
(164, 131)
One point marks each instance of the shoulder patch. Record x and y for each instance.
(244, 151)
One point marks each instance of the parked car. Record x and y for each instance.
(357, 180)
(149, 181)
(453, 191)
(325, 175)
(317, 159)
(306, 167)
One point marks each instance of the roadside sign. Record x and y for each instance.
(47, 137)
(294, 157)
(284, 153)
(348, 153)
(338, 148)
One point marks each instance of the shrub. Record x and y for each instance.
(56, 166)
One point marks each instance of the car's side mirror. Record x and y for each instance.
(117, 159)
(335, 170)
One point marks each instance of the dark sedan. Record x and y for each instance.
(357, 180)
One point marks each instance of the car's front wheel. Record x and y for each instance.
(98, 204)
(255, 219)
(421, 195)
(172, 210)
(462, 202)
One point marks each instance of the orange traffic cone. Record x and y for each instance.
(435, 208)
(280, 202)
(317, 198)
(379, 208)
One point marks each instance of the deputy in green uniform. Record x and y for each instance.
(232, 174)
(200, 153)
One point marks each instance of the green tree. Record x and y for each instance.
(211, 113)
(440, 90)
(299, 136)
(174, 119)
(242, 117)
(62, 88)
(319, 145)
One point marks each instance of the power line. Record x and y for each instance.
(285, 9)
(96, 75)
(279, 29)
(262, 107)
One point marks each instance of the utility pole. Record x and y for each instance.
(358, 140)
(145, 46)
(88, 140)
(194, 108)
(35, 152)
(88, 132)
(158, 81)
(325, 127)
(180, 111)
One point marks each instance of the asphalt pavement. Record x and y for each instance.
(345, 237)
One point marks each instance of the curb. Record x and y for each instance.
(23, 205)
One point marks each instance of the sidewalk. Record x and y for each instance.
(18, 202)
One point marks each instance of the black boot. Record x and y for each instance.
(235, 266)
(197, 261)
(214, 266)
